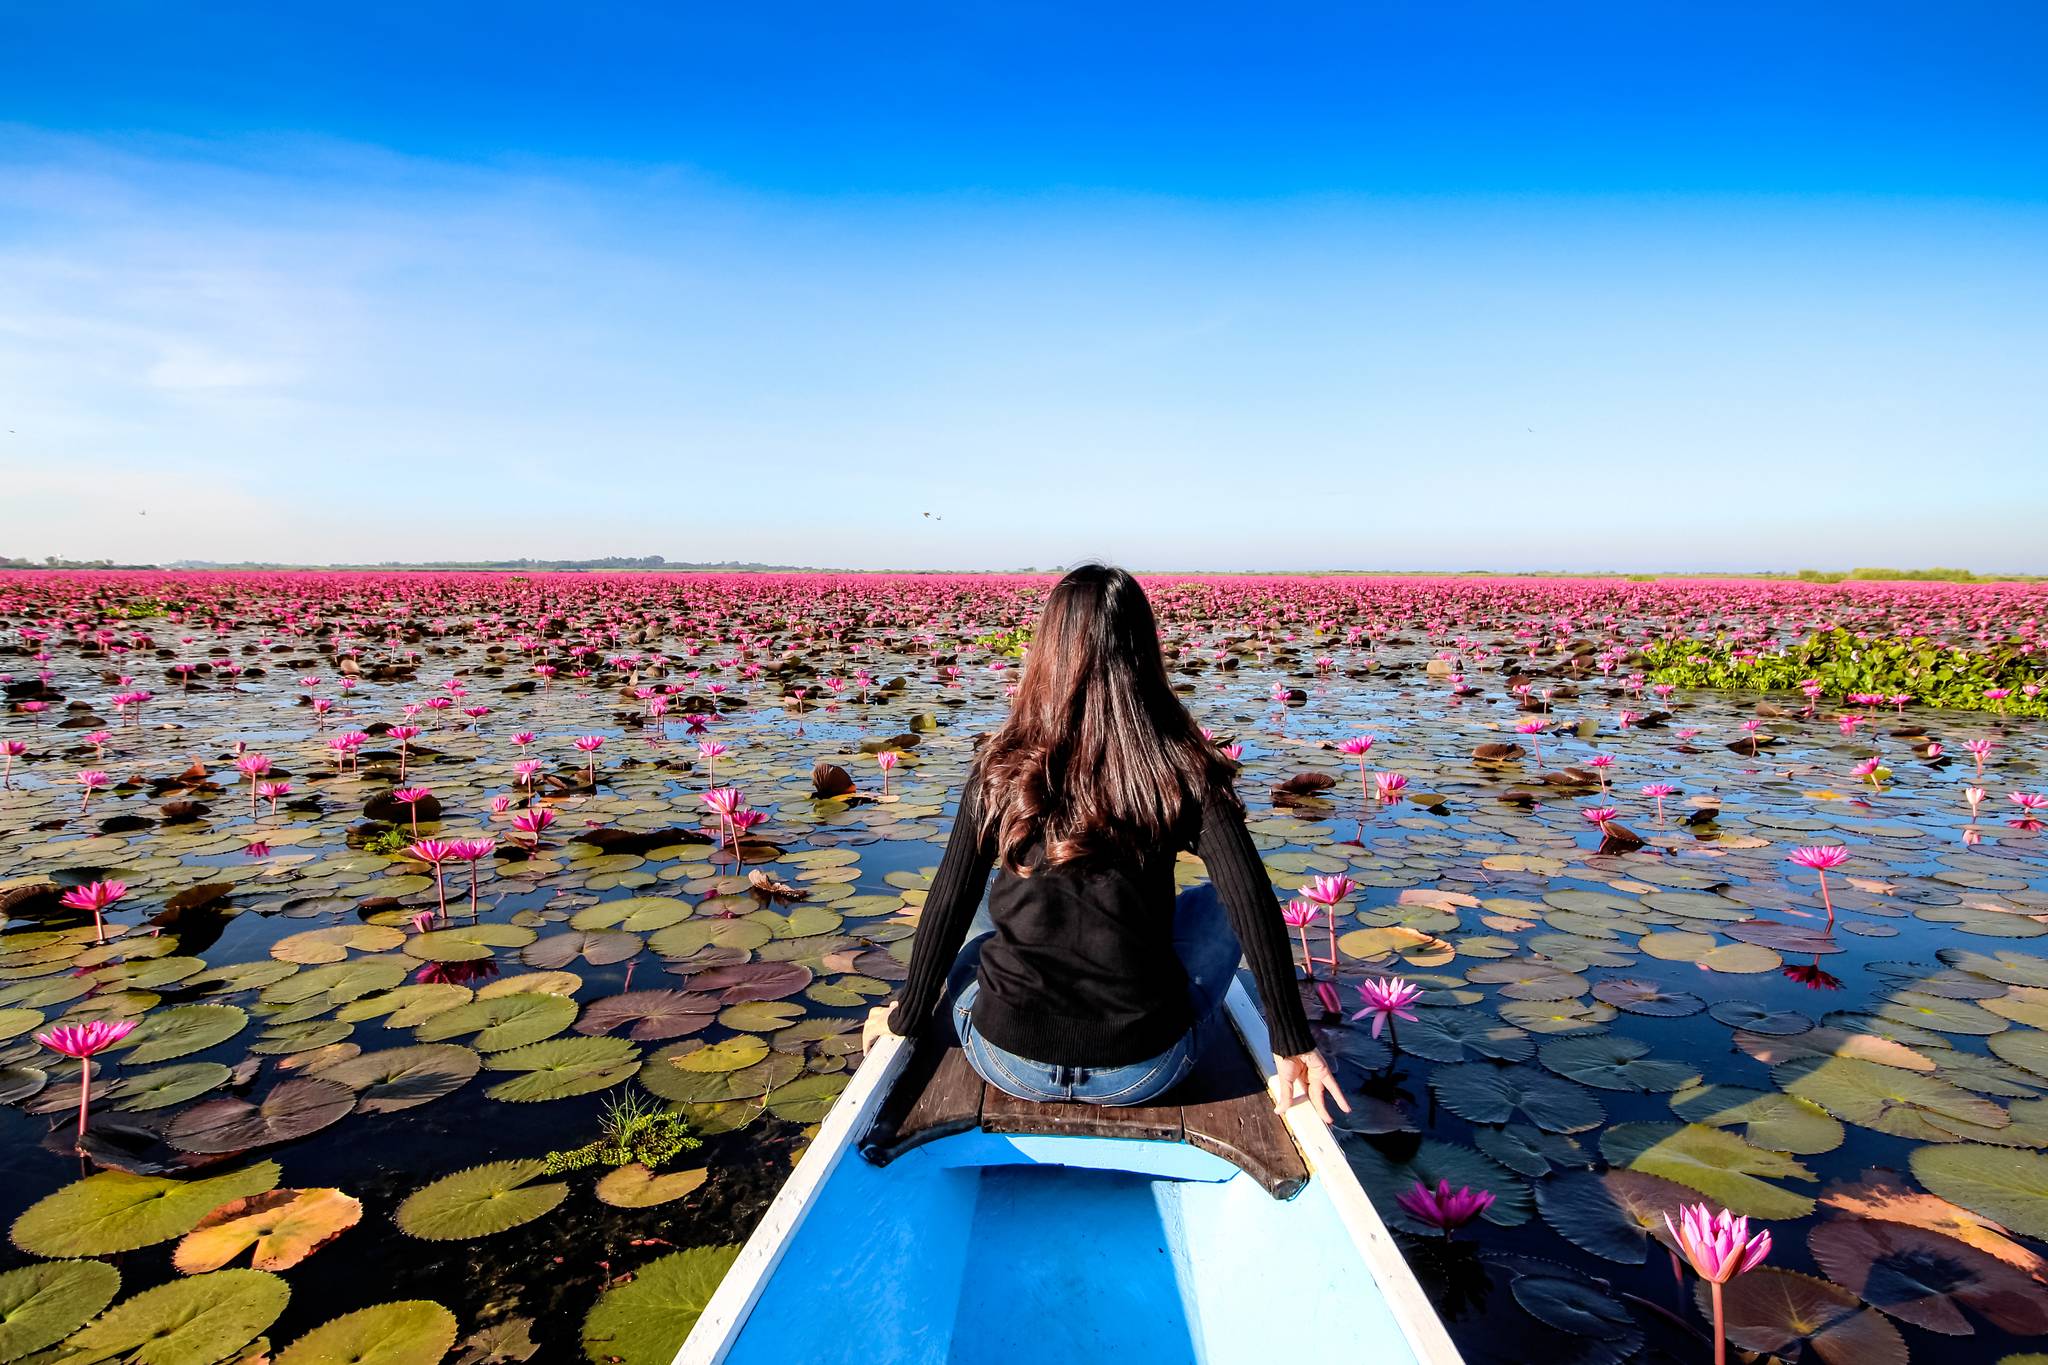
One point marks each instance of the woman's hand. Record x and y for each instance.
(877, 1026)
(1308, 1071)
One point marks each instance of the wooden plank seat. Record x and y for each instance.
(1221, 1108)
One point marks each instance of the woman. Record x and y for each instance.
(1094, 983)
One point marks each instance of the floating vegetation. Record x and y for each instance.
(419, 887)
(634, 1132)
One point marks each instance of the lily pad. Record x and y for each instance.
(652, 1014)
(478, 1202)
(1889, 1099)
(467, 942)
(405, 1332)
(1615, 1063)
(1780, 1123)
(502, 1021)
(561, 1067)
(636, 1187)
(1480, 1092)
(1780, 1311)
(1527, 1150)
(44, 1303)
(401, 1077)
(1457, 1035)
(115, 1211)
(598, 947)
(315, 946)
(1637, 996)
(182, 1030)
(644, 1321)
(283, 1226)
(2006, 1186)
(1713, 1161)
(195, 1321)
(1616, 1214)
(168, 1085)
(291, 1110)
(1927, 1279)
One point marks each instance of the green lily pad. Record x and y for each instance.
(806, 1099)
(2009, 965)
(1616, 1214)
(644, 1321)
(598, 947)
(467, 942)
(168, 1085)
(1780, 1123)
(1615, 1063)
(406, 1332)
(1529, 1151)
(44, 1303)
(478, 1202)
(195, 1321)
(729, 1055)
(634, 914)
(182, 1030)
(397, 1078)
(2006, 1186)
(315, 946)
(561, 1067)
(636, 1187)
(1889, 1099)
(1713, 1161)
(1480, 1092)
(406, 1006)
(2023, 1048)
(115, 1211)
(502, 1021)
(693, 936)
(1637, 996)
(1457, 1035)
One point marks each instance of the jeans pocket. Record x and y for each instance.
(1013, 1075)
(1156, 1080)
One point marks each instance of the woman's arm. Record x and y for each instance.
(948, 909)
(1226, 849)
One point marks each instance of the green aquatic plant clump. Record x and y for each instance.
(389, 843)
(1845, 663)
(633, 1130)
(1010, 642)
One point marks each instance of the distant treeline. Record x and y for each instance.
(1910, 575)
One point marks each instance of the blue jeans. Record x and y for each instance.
(1209, 954)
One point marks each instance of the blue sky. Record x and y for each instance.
(1643, 286)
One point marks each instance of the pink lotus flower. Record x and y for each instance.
(10, 750)
(1387, 787)
(2033, 803)
(1298, 915)
(1979, 749)
(83, 1041)
(1719, 1248)
(1329, 890)
(533, 823)
(91, 780)
(1820, 858)
(1657, 791)
(273, 792)
(410, 798)
(1386, 999)
(1599, 815)
(1443, 1209)
(436, 853)
(96, 897)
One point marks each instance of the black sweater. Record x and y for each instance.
(1081, 970)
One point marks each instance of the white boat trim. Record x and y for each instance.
(1405, 1299)
(719, 1325)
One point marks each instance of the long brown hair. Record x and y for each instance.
(1098, 757)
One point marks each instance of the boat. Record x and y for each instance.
(935, 1220)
